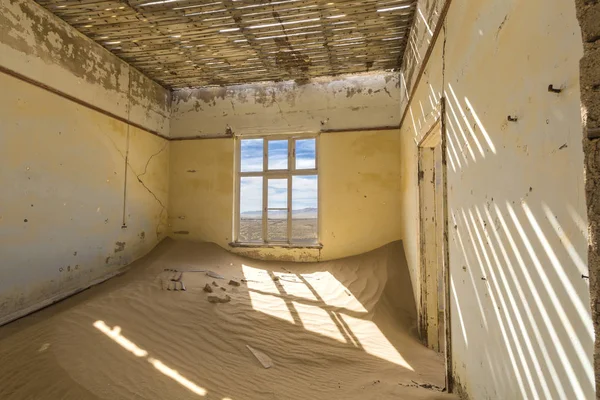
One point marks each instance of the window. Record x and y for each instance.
(277, 194)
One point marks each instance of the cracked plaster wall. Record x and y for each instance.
(352, 103)
(42, 47)
(61, 205)
(520, 313)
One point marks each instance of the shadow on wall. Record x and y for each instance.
(518, 247)
(427, 15)
(355, 314)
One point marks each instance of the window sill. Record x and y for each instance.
(317, 246)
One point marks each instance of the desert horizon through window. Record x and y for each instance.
(278, 191)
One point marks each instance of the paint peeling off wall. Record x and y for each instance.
(41, 47)
(520, 314)
(359, 175)
(62, 174)
(354, 103)
(150, 103)
(421, 117)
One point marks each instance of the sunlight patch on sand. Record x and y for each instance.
(333, 292)
(115, 334)
(294, 286)
(259, 279)
(317, 320)
(374, 341)
(171, 373)
(271, 305)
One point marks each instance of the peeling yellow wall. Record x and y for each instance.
(350, 102)
(359, 177)
(62, 172)
(201, 190)
(360, 191)
(422, 115)
(520, 314)
(40, 46)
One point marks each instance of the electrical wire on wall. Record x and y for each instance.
(124, 220)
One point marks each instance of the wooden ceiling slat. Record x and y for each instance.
(215, 42)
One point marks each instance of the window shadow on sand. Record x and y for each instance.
(343, 329)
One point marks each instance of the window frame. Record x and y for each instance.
(267, 174)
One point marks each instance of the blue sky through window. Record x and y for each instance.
(251, 193)
(304, 189)
(277, 193)
(252, 155)
(304, 192)
(306, 154)
(278, 154)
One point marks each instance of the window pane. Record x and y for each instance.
(306, 154)
(278, 154)
(251, 209)
(278, 193)
(252, 155)
(304, 208)
(277, 226)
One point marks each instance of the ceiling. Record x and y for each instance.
(189, 43)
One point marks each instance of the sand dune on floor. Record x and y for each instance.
(333, 330)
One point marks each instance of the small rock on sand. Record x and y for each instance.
(217, 299)
(207, 288)
(215, 283)
(234, 283)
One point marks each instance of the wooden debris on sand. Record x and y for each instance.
(261, 357)
(217, 299)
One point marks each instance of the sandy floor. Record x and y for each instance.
(334, 330)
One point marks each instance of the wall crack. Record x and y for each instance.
(151, 157)
(281, 112)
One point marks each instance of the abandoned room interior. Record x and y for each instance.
(299, 199)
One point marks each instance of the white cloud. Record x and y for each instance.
(304, 192)
(252, 155)
(251, 194)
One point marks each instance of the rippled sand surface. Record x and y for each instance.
(342, 329)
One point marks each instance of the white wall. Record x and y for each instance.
(521, 324)
(352, 103)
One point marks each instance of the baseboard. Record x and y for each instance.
(59, 297)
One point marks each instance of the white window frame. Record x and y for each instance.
(267, 174)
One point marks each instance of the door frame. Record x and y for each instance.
(440, 124)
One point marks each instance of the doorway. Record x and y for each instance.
(434, 313)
